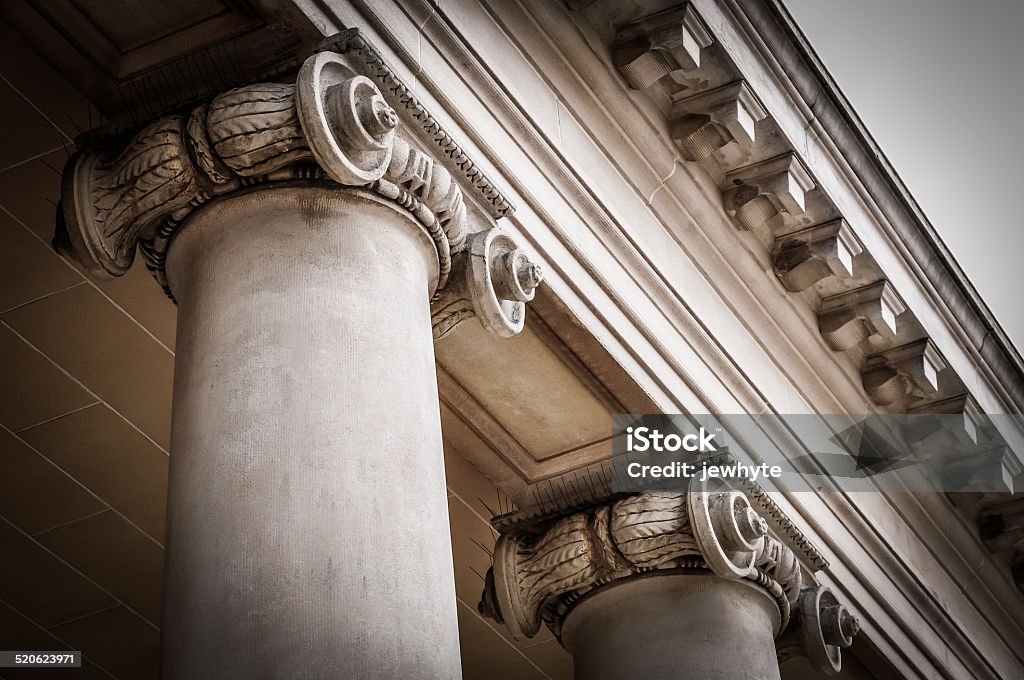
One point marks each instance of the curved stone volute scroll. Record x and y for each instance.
(820, 630)
(349, 126)
(492, 279)
(730, 533)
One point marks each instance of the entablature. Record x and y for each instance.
(591, 227)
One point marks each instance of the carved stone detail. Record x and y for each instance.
(1002, 528)
(908, 372)
(964, 434)
(705, 123)
(347, 123)
(984, 472)
(109, 199)
(848, 318)
(784, 525)
(255, 130)
(538, 576)
(756, 193)
(804, 257)
(821, 629)
(649, 49)
(258, 133)
(492, 279)
(961, 450)
(354, 45)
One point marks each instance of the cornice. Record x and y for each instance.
(820, 94)
(819, 515)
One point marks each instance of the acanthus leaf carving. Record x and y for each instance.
(108, 200)
(538, 576)
(333, 124)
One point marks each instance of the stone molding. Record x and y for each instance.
(804, 257)
(539, 576)
(649, 49)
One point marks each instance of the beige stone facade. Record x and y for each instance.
(316, 315)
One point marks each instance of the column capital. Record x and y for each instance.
(712, 530)
(332, 125)
(540, 576)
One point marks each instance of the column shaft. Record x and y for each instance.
(673, 626)
(307, 516)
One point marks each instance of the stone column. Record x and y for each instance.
(307, 517)
(303, 240)
(657, 585)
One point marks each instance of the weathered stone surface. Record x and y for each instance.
(776, 187)
(306, 439)
(706, 122)
(648, 49)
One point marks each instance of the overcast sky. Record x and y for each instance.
(940, 86)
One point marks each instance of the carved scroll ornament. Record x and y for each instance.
(539, 577)
(332, 124)
(821, 628)
(492, 279)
